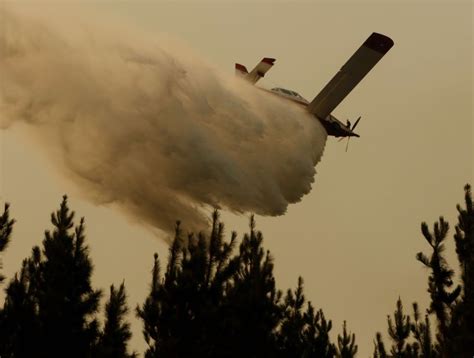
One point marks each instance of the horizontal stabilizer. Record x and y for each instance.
(353, 71)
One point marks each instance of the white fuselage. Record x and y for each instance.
(332, 125)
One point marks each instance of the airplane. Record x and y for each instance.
(353, 71)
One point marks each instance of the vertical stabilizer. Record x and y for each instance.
(258, 72)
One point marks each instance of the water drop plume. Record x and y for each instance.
(151, 127)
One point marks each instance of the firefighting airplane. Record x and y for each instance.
(353, 71)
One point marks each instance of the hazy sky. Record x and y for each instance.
(355, 236)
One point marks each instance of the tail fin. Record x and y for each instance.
(240, 70)
(258, 72)
(353, 71)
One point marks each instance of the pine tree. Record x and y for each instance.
(66, 301)
(316, 335)
(303, 333)
(6, 228)
(452, 307)
(209, 303)
(114, 338)
(410, 337)
(424, 346)
(181, 314)
(290, 334)
(19, 324)
(50, 306)
(440, 279)
(379, 347)
(462, 320)
(252, 301)
(346, 347)
(464, 239)
(150, 314)
(399, 331)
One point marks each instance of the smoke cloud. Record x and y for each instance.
(149, 126)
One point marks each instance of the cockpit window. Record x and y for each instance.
(289, 93)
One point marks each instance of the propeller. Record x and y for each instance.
(356, 123)
(351, 130)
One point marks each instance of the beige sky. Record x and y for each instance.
(355, 236)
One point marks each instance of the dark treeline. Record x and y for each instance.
(216, 297)
(451, 335)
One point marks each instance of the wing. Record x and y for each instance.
(353, 71)
(258, 72)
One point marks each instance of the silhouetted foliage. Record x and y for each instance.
(316, 335)
(290, 335)
(6, 228)
(379, 347)
(423, 345)
(182, 310)
(453, 308)
(462, 317)
(50, 307)
(399, 330)
(66, 301)
(303, 333)
(19, 326)
(440, 279)
(252, 300)
(411, 338)
(114, 338)
(209, 303)
(346, 347)
(213, 302)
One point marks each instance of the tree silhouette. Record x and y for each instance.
(303, 333)
(379, 347)
(290, 334)
(181, 313)
(316, 335)
(399, 331)
(209, 303)
(6, 228)
(50, 306)
(116, 333)
(19, 324)
(346, 347)
(66, 301)
(213, 302)
(151, 314)
(453, 308)
(462, 318)
(411, 338)
(424, 345)
(440, 279)
(252, 300)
